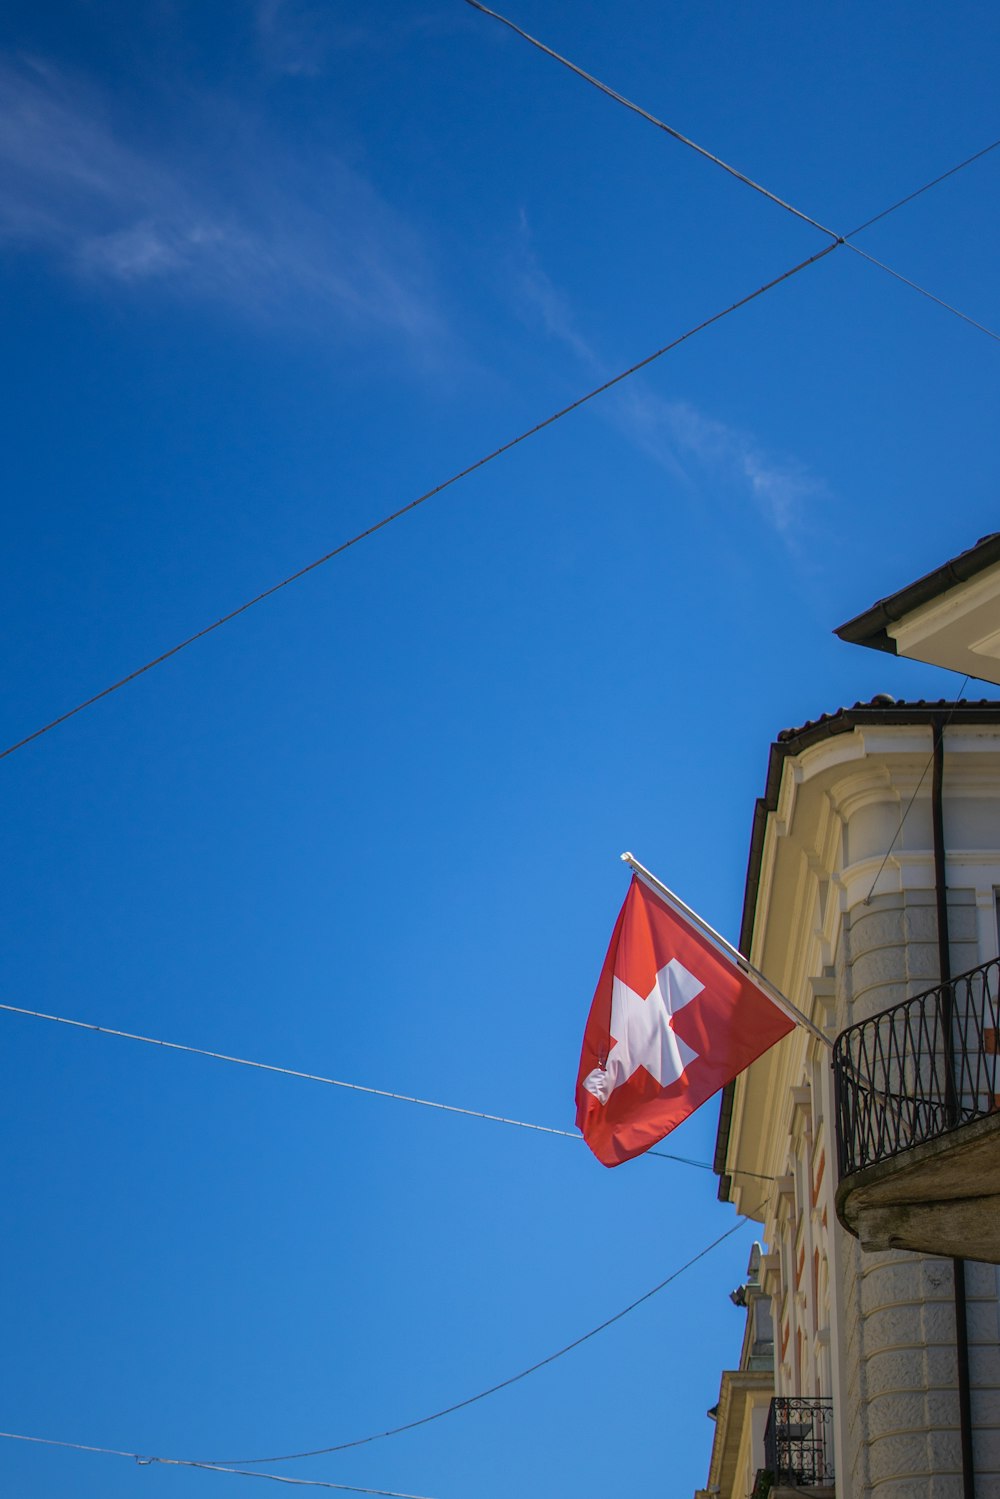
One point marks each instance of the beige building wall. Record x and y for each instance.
(744, 1397)
(873, 1332)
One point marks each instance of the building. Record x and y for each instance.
(745, 1394)
(949, 618)
(872, 902)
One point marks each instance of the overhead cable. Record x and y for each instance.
(330, 1082)
(429, 494)
(938, 732)
(504, 1384)
(137, 1457)
(914, 286)
(960, 166)
(239, 1466)
(573, 405)
(306, 1483)
(838, 239)
(653, 119)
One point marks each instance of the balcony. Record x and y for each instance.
(798, 1448)
(918, 1121)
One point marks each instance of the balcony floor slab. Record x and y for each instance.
(940, 1197)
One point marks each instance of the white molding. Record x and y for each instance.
(928, 623)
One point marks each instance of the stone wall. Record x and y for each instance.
(889, 949)
(900, 1383)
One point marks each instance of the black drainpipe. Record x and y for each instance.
(944, 963)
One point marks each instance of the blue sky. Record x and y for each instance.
(271, 271)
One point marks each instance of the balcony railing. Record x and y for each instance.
(798, 1441)
(919, 1069)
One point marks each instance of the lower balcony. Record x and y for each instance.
(798, 1449)
(918, 1121)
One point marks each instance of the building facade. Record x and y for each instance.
(745, 1394)
(842, 914)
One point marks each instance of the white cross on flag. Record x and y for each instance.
(672, 1022)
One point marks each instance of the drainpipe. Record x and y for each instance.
(944, 964)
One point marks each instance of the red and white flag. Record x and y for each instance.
(673, 1021)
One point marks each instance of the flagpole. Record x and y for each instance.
(781, 1000)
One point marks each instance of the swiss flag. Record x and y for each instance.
(672, 1022)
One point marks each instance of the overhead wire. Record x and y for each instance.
(931, 296)
(137, 1457)
(959, 166)
(239, 1465)
(939, 730)
(428, 494)
(300, 573)
(504, 1384)
(838, 239)
(306, 1483)
(835, 238)
(316, 1077)
(645, 114)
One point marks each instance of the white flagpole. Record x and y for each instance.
(732, 952)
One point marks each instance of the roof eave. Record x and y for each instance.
(872, 627)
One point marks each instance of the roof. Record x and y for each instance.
(871, 628)
(881, 710)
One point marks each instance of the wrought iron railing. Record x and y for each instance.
(763, 1484)
(919, 1069)
(798, 1441)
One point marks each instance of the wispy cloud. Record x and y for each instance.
(295, 38)
(538, 300)
(682, 439)
(235, 220)
(300, 37)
